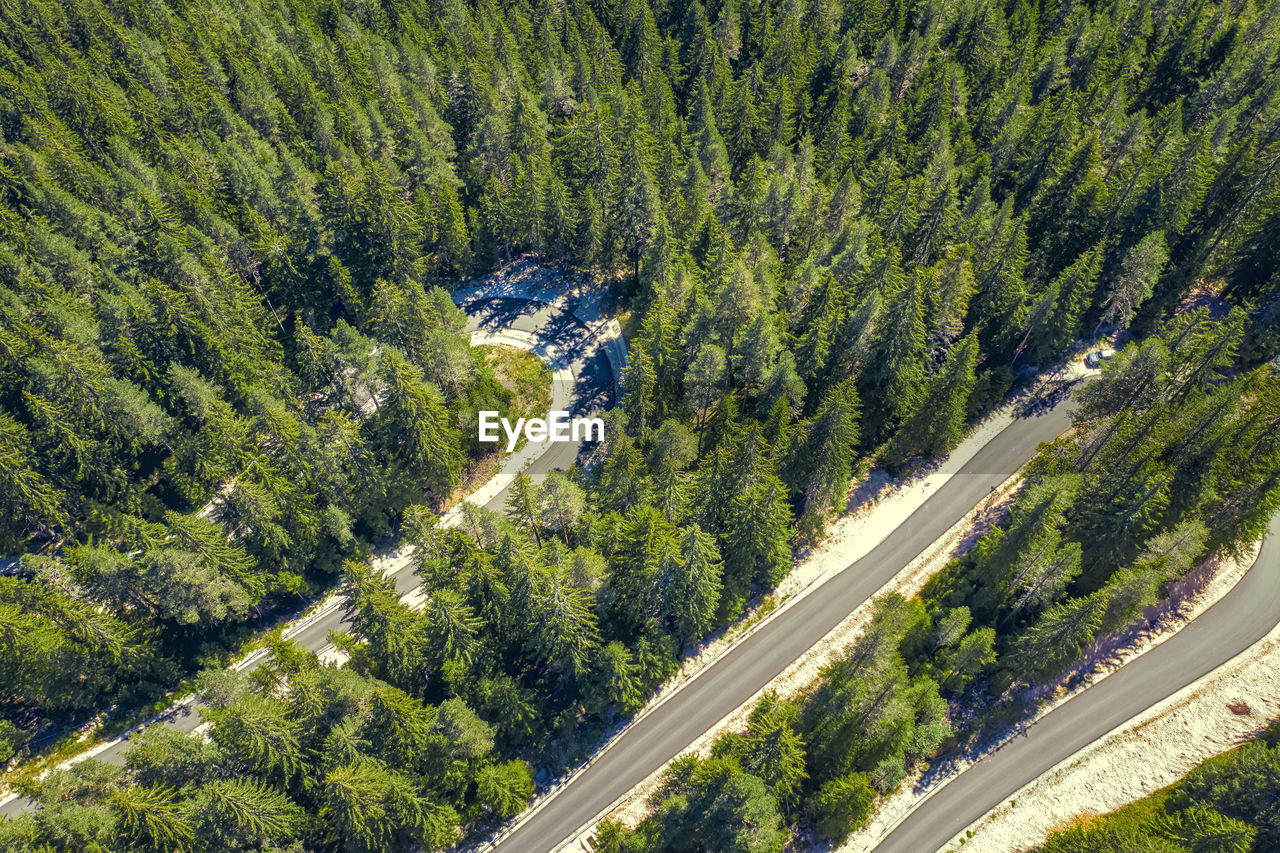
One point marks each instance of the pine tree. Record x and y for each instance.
(755, 352)
(822, 459)
(1026, 559)
(1136, 282)
(715, 805)
(259, 734)
(937, 424)
(844, 805)
(641, 383)
(898, 374)
(377, 615)
(30, 500)
(623, 482)
(355, 796)
(612, 681)
(674, 448)
(506, 788)
(695, 595)
(522, 505)
(415, 426)
(566, 634)
(637, 217)
(774, 751)
(755, 540)
(235, 812)
(451, 628)
(704, 384)
(1059, 635)
(975, 652)
(561, 503)
(1072, 294)
(712, 153)
(151, 819)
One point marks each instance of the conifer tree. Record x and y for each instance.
(415, 426)
(522, 505)
(1136, 281)
(822, 456)
(937, 424)
(151, 819)
(1059, 635)
(506, 788)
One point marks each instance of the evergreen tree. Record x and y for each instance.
(1059, 635)
(1136, 281)
(937, 424)
(414, 425)
(506, 788)
(823, 453)
(151, 820)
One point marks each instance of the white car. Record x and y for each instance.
(1095, 359)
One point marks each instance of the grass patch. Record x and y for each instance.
(525, 375)
(528, 379)
(768, 604)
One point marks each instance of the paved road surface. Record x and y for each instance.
(731, 681)
(593, 389)
(1239, 620)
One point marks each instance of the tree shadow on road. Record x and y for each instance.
(1046, 398)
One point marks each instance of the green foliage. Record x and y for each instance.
(227, 364)
(1224, 805)
(844, 805)
(181, 406)
(505, 788)
(381, 771)
(705, 806)
(1150, 482)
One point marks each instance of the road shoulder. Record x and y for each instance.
(1216, 713)
(1204, 587)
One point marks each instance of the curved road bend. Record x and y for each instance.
(1239, 620)
(660, 735)
(592, 390)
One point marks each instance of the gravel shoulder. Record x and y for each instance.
(1240, 620)
(1188, 599)
(1216, 713)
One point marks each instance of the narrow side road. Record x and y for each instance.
(661, 734)
(1241, 618)
(580, 349)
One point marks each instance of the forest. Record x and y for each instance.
(1168, 461)
(838, 232)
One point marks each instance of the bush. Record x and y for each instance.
(999, 682)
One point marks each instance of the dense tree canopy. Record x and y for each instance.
(840, 231)
(340, 762)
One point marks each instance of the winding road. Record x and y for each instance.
(521, 306)
(665, 730)
(1237, 621)
(586, 355)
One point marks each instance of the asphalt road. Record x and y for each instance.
(1239, 620)
(656, 738)
(592, 390)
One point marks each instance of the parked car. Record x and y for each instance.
(1095, 359)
